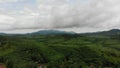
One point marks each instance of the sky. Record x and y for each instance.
(23, 16)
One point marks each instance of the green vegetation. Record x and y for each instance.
(60, 51)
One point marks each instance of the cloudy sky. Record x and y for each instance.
(22, 16)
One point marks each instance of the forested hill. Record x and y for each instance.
(60, 50)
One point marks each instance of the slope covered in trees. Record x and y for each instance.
(60, 51)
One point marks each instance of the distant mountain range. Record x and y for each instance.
(49, 32)
(109, 33)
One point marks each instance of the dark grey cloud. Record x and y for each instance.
(94, 13)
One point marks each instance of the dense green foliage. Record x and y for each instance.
(60, 51)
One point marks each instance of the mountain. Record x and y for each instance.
(48, 32)
(2, 33)
(108, 33)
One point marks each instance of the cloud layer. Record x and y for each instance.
(4, 1)
(75, 15)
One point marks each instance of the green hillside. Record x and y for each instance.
(60, 51)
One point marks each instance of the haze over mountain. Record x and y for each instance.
(110, 32)
(49, 32)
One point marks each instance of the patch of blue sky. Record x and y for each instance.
(75, 1)
(18, 5)
(71, 1)
(84, 1)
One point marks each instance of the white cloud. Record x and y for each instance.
(79, 16)
(6, 21)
